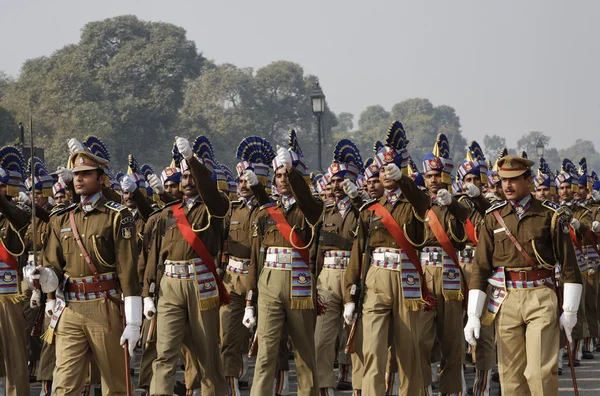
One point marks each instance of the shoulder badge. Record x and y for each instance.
(63, 210)
(465, 200)
(115, 206)
(24, 208)
(268, 205)
(552, 205)
(495, 206)
(368, 203)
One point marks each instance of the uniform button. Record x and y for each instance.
(82, 235)
(80, 254)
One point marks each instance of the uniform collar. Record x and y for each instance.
(393, 196)
(88, 203)
(287, 201)
(190, 202)
(249, 203)
(343, 205)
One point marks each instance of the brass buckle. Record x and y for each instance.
(284, 258)
(81, 288)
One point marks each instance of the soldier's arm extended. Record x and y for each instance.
(481, 204)
(126, 253)
(418, 198)
(311, 207)
(15, 216)
(42, 214)
(216, 202)
(167, 198)
(261, 194)
(482, 265)
(110, 194)
(144, 207)
(460, 212)
(585, 222)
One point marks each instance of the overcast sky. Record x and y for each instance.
(507, 67)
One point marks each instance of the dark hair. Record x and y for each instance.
(527, 174)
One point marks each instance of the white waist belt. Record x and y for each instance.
(281, 258)
(387, 257)
(237, 264)
(180, 269)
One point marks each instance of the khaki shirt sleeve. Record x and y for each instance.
(53, 253)
(567, 258)
(255, 255)
(15, 216)
(353, 272)
(418, 198)
(482, 265)
(150, 272)
(217, 203)
(110, 194)
(126, 253)
(311, 207)
(261, 194)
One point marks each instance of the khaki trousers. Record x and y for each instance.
(84, 327)
(383, 304)
(234, 335)
(328, 325)
(274, 312)
(358, 357)
(47, 358)
(13, 344)
(591, 307)
(527, 331)
(485, 350)
(445, 323)
(178, 315)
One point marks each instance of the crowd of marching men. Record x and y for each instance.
(379, 267)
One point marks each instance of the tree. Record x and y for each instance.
(582, 148)
(122, 82)
(345, 123)
(493, 144)
(529, 142)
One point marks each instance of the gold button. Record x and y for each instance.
(80, 254)
(82, 235)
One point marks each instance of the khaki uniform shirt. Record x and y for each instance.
(543, 232)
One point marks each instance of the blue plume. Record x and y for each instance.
(255, 149)
(396, 136)
(96, 147)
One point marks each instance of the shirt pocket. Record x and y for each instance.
(68, 243)
(377, 232)
(502, 246)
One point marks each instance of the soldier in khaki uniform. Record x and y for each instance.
(520, 243)
(13, 223)
(89, 261)
(338, 230)
(253, 173)
(190, 291)
(280, 271)
(394, 292)
(568, 184)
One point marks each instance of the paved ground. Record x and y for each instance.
(588, 378)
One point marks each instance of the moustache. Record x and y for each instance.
(189, 186)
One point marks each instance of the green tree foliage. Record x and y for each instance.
(582, 148)
(345, 123)
(123, 81)
(492, 145)
(529, 142)
(7, 121)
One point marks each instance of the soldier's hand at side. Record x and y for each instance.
(24, 198)
(156, 184)
(596, 195)
(392, 172)
(184, 147)
(444, 197)
(128, 184)
(349, 316)
(284, 158)
(249, 319)
(571, 300)
(74, 146)
(36, 299)
(596, 226)
(149, 308)
(251, 178)
(471, 190)
(474, 310)
(575, 224)
(350, 188)
(133, 318)
(50, 304)
(48, 279)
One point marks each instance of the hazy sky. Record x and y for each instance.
(507, 67)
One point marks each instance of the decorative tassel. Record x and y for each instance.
(209, 303)
(415, 305)
(487, 318)
(12, 298)
(453, 295)
(48, 336)
(302, 303)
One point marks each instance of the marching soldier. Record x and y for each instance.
(13, 223)
(338, 230)
(568, 184)
(88, 262)
(391, 291)
(445, 230)
(187, 239)
(544, 182)
(253, 173)
(520, 242)
(280, 271)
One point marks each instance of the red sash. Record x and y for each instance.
(200, 248)
(8, 258)
(286, 230)
(398, 234)
(575, 240)
(470, 229)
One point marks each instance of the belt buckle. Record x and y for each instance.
(434, 257)
(284, 258)
(390, 258)
(522, 276)
(180, 270)
(81, 288)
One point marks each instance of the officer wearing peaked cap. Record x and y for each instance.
(88, 262)
(520, 243)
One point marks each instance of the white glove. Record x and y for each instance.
(284, 158)
(36, 299)
(595, 227)
(364, 195)
(51, 201)
(575, 224)
(250, 177)
(156, 184)
(133, 318)
(24, 198)
(348, 315)
(490, 195)
(249, 319)
(47, 277)
(472, 190)
(350, 188)
(50, 304)
(184, 147)
(28, 275)
(474, 310)
(74, 146)
(149, 308)
(595, 195)
(64, 174)
(393, 172)
(571, 300)
(128, 184)
(444, 197)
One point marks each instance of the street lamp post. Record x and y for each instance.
(539, 148)
(317, 98)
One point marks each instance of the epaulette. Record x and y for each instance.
(24, 208)
(495, 206)
(171, 203)
(368, 203)
(268, 205)
(236, 202)
(584, 207)
(115, 206)
(552, 205)
(464, 199)
(63, 210)
(157, 211)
